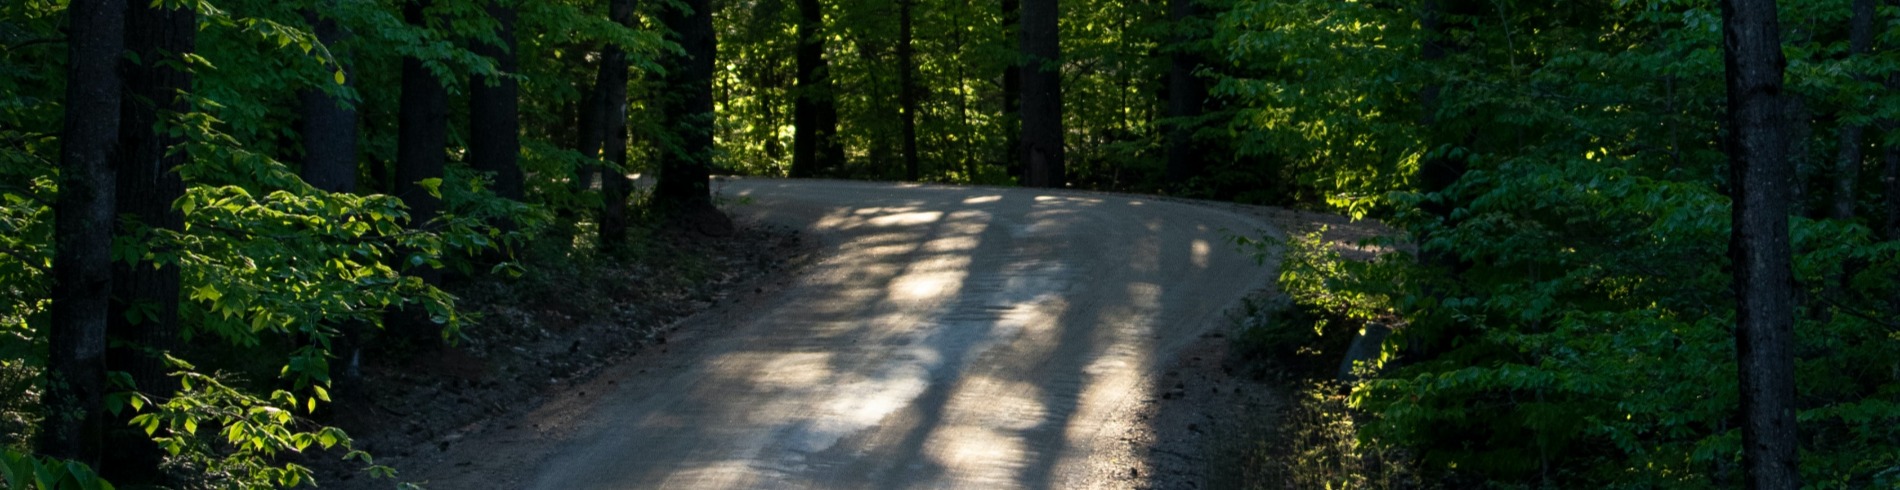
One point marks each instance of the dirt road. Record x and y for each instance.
(946, 337)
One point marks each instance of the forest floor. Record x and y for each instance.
(541, 336)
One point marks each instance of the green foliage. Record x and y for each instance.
(1317, 444)
(24, 471)
(1566, 317)
(266, 260)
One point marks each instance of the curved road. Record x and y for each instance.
(947, 337)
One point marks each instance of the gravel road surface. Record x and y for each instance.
(944, 337)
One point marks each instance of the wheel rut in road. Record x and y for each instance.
(948, 337)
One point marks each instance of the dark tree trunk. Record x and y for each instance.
(592, 132)
(329, 123)
(1042, 150)
(1847, 168)
(421, 152)
(1800, 123)
(1187, 95)
(82, 234)
(815, 108)
(144, 315)
(1759, 246)
(683, 191)
(1013, 91)
(329, 130)
(494, 111)
(1853, 148)
(907, 88)
(614, 186)
(423, 138)
(1890, 176)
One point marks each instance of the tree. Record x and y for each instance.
(907, 87)
(494, 108)
(814, 107)
(1759, 245)
(1013, 88)
(612, 83)
(421, 153)
(143, 322)
(684, 191)
(1852, 148)
(82, 266)
(1187, 96)
(1042, 134)
(329, 120)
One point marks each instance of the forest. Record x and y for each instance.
(1638, 243)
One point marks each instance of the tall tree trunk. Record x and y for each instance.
(329, 130)
(421, 152)
(329, 122)
(1759, 246)
(1800, 123)
(143, 320)
(82, 234)
(684, 191)
(1853, 148)
(591, 133)
(1187, 95)
(1013, 91)
(614, 186)
(907, 88)
(1042, 149)
(494, 110)
(815, 107)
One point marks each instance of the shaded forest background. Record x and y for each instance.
(213, 210)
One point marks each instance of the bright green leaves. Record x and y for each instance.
(230, 433)
(24, 471)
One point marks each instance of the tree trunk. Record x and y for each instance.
(82, 234)
(1759, 245)
(1186, 96)
(421, 151)
(907, 88)
(1853, 147)
(614, 186)
(1800, 123)
(494, 111)
(422, 139)
(329, 122)
(588, 138)
(683, 191)
(815, 107)
(1013, 92)
(1042, 150)
(144, 310)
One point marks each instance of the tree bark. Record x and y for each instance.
(1759, 245)
(82, 229)
(815, 108)
(684, 191)
(907, 88)
(1013, 91)
(494, 110)
(614, 186)
(1187, 95)
(1042, 140)
(588, 138)
(422, 139)
(421, 152)
(143, 319)
(329, 122)
(1853, 147)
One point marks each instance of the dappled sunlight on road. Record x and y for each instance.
(950, 338)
